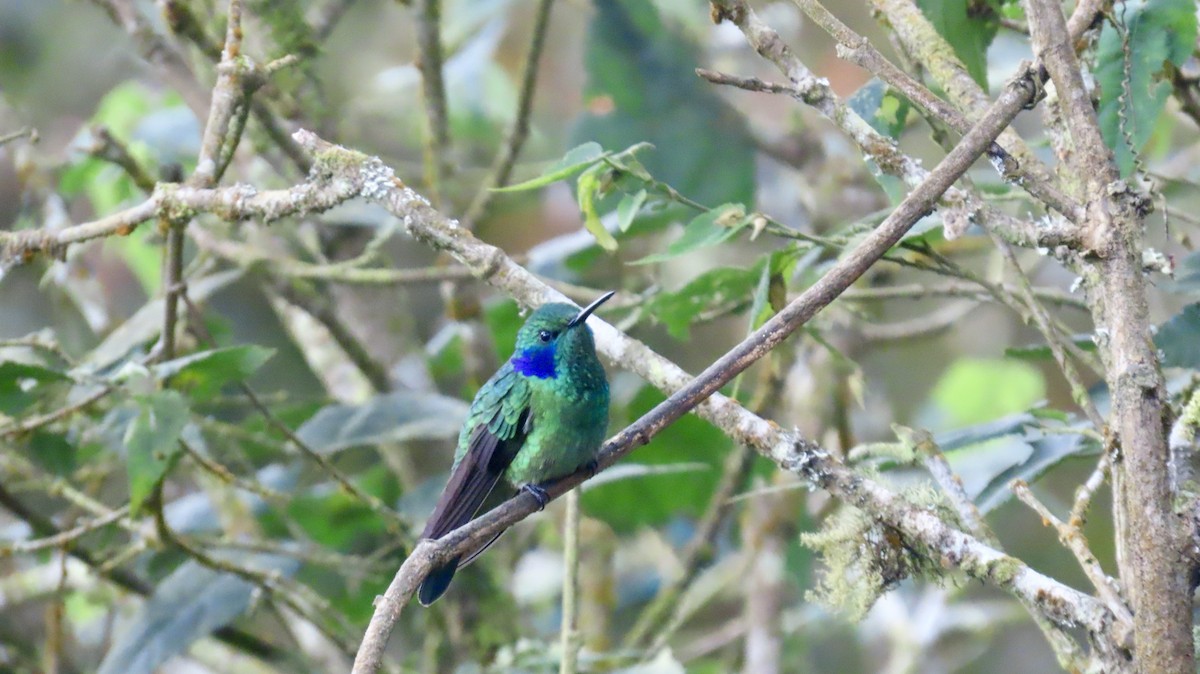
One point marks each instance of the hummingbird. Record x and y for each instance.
(542, 416)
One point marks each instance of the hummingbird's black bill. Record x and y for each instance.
(583, 314)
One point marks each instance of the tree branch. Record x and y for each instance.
(1151, 537)
(341, 174)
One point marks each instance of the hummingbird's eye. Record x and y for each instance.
(545, 336)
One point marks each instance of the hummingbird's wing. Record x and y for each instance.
(503, 418)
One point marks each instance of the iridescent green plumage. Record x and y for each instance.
(541, 416)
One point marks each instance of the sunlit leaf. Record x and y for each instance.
(587, 190)
(975, 390)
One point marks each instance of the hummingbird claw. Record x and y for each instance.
(538, 494)
(591, 467)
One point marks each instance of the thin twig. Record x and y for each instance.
(295, 596)
(569, 636)
(62, 538)
(1075, 541)
(951, 484)
(958, 207)
(433, 88)
(921, 291)
(1028, 173)
(7, 138)
(794, 455)
(109, 148)
(515, 139)
(395, 520)
(1041, 320)
(17, 428)
(43, 526)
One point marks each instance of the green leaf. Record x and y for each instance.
(641, 86)
(123, 106)
(968, 32)
(707, 229)
(720, 288)
(1158, 31)
(587, 189)
(1014, 424)
(882, 108)
(146, 323)
(335, 519)
(53, 452)
(1179, 338)
(975, 390)
(655, 499)
(575, 161)
(191, 603)
(21, 384)
(771, 289)
(1047, 452)
(628, 209)
(152, 443)
(395, 417)
(202, 374)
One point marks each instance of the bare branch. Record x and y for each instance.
(515, 139)
(959, 207)
(1028, 172)
(1152, 541)
(433, 88)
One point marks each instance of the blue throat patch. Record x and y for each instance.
(535, 362)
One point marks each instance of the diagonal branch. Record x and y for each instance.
(341, 174)
(787, 450)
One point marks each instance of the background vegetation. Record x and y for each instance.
(225, 408)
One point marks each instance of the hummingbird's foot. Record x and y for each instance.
(537, 493)
(591, 467)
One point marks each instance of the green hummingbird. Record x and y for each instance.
(542, 416)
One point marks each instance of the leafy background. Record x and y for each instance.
(662, 196)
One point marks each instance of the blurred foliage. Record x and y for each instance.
(1136, 54)
(273, 485)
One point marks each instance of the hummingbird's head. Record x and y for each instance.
(552, 333)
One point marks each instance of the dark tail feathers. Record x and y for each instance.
(436, 582)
